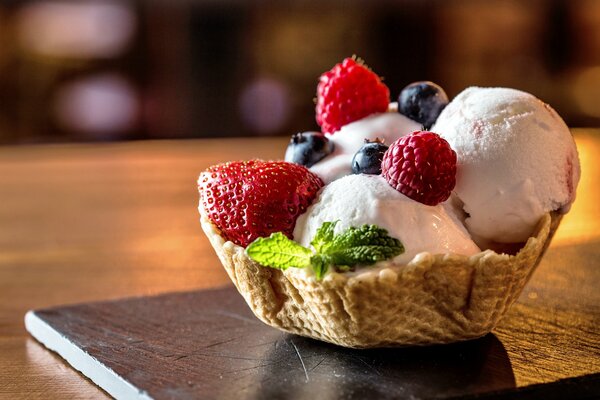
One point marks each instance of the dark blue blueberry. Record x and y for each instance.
(367, 159)
(422, 102)
(308, 148)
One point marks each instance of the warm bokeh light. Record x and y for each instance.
(97, 105)
(577, 226)
(265, 105)
(73, 29)
(586, 91)
(223, 69)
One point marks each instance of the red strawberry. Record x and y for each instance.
(251, 199)
(421, 166)
(347, 93)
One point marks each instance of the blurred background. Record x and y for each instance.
(119, 70)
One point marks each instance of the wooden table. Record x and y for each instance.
(103, 221)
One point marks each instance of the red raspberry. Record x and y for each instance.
(347, 93)
(421, 166)
(251, 199)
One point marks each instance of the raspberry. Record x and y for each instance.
(251, 199)
(347, 93)
(421, 166)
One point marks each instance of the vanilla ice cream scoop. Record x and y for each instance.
(361, 199)
(517, 160)
(349, 139)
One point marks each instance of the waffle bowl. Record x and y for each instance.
(433, 299)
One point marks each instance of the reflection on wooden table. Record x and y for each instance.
(90, 222)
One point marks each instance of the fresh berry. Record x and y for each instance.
(367, 159)
(251, 199)
(421, 166)
(308, 148)
(422, 102)
(347, 93)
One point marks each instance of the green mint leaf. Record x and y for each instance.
(362, 246)
(277, 251)
(365, 245)
(320, 264)
(323, 235)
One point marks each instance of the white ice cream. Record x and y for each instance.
(356, 200)
(348, 140)
(516, 160)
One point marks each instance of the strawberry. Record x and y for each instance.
(347, 93)
(251, 199)
(421, 166)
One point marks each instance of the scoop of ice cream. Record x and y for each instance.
(356, 200)
(348, 140)
(516, 160)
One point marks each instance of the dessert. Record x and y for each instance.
(517, 161)
(419, 227)
(375, 239)
(387, 126)
(422, 102)
(251, 199)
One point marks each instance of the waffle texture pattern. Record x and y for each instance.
(433, 299)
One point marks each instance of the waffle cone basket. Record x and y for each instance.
(433, 299)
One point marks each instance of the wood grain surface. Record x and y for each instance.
(93, 222)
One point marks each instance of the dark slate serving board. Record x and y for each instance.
(207, 344)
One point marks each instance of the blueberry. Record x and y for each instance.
(308, 148)
(422, 102)
(367, 159)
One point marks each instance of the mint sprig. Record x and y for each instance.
(277, 251)
(364, 245)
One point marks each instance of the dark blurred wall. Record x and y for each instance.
(113, 70)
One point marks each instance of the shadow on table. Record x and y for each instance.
(301, 368)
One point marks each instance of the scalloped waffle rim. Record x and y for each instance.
(433, 299)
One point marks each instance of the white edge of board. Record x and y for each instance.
(97, 372)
